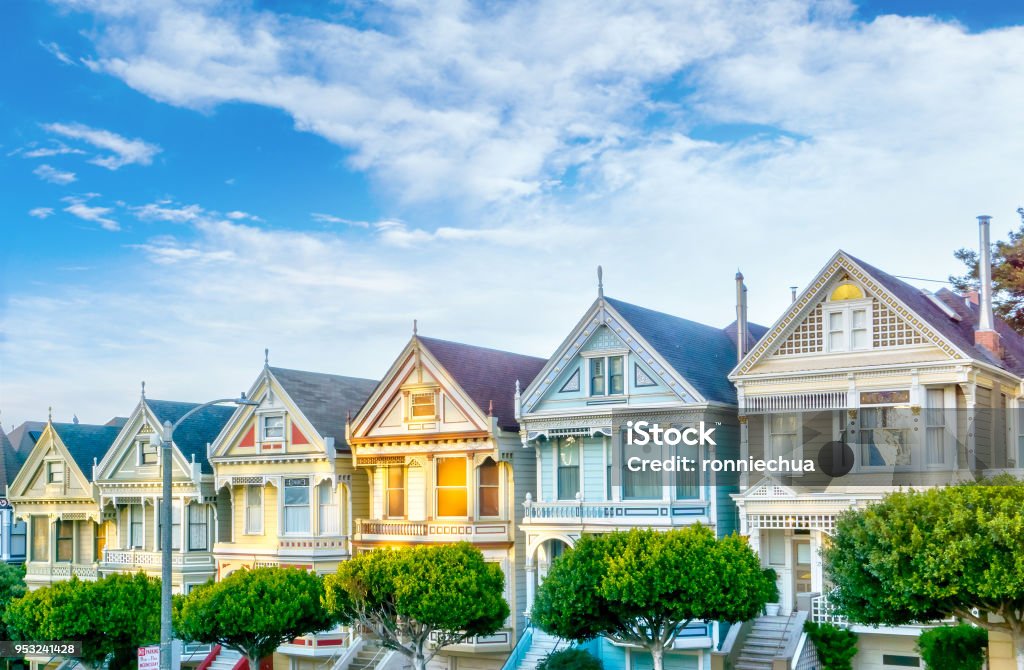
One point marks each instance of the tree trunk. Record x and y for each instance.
(1017, 637)
(254, 663)
(419, 660)
(658, 656)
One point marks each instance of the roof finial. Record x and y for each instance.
(517, 387)
(74, 418)
(490, 408)
(415, 327)
(49, 414)
(266, 357)
(143, 389)
(600, 282)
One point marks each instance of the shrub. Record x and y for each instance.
(836, 646)
(570, 659)
(959, 647)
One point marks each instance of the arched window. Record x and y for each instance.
(847, 291)
(489, 486)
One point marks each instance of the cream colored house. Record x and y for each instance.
(438, 444)
(286, 495)
(55, 494)
(923, 388)
(129, 482)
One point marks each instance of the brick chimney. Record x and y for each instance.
(986, 334)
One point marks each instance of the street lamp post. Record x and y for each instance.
(165, 437)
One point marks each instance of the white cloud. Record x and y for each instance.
(123, 151)
(164, 210)
(57, 52)
(55, 149)
(77, 206)
(320, 217)
(41, 212)
(53, 175)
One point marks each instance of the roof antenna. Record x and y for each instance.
(600, 282)
(266, 357)
(74, 418)
(415, 327)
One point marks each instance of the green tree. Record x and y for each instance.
(919, 556)
(112, 617)
(959, 647)
(253, 611)
(1007, 275)
(836, 646)
(413, 596)
(570, 659)
(643, 587)
(12, 586)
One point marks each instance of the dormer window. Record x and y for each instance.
(55, 472)
(273, 427)
(848, 319)
(147, 452)
(607, 375)
(422, 405)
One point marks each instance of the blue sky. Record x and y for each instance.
(187, 182)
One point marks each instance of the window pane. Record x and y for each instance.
(835, 321)
(615, 375)
(569, 454)
(451, 472)
(859, 318)
(597, 376)
(688, 483)
(451, 502)
(489, 473)
(40, 538)
(395, 478)
(423, 404)
(273, 427)
(568, 482)
(197, 528)
(488, 502)
(396, 502)
(296, 519)
(296, 495)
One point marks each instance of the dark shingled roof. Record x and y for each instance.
(702, 355)
(11, 460)
(192, 436)
(24, 437)
(326, 400)
(959, 333)
(87, 443)
(486, 375)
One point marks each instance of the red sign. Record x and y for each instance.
(149, 657)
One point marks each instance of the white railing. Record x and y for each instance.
(620, 511)
(824, 611)
(806, 656)
(415, 528)
(62, 570)
(144, 559)
(789, 402)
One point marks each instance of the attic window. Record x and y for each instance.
(422, 405)
(273, 427)
(147, 453)
(847, 291)
(55, 472)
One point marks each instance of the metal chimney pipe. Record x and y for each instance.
(741, 316)
(985, 274)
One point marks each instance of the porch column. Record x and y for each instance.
(817, 576)
(531, 584)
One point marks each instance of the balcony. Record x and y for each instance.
(125, 560)
(55, 572)
(824, 611)
(396, 531)
(614, 514)
(285, 549)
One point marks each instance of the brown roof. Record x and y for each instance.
(486, 375)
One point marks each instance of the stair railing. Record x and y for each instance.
(519, 651)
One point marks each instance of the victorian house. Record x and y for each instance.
(437, 444)
(55, 494)
(14, 449)
(285, 490)
(895, 387)
(128, 479)
(619, 365)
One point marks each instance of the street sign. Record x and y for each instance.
(149, 657)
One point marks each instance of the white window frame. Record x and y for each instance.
(606, 358)
(284, 507)
(51, 471)
(251, 528)
(141, 538)
(331, 504)
(467, 487)
(141, 446)
(949, 445)
(264, 418)
(798, 445)
(846, 308)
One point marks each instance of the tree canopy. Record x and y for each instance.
(112, 616)
(919, 556)
(1007, 275)
(418, 600)
(12, 586)
(644, 586)
(253, 611)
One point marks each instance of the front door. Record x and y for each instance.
(802, 574)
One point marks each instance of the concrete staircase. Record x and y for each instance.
(226, 660)
(767, 638)
(370, 654)
(541, 645)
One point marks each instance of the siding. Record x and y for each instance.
(983, 417)
(547, 471)
(594, 486)
(522, 476)
(416, 493)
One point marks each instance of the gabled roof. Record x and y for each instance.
(87, 443)
(25, 436)
(11, 460)
(325, 400)
(486, 375)
(959, 333)
(192, 436)
(703, 355)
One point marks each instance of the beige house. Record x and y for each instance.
(286, 495)
(129, 482)
(922, 388)
(438, 445)
(55, 494)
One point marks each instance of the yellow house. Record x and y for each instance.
(922, 388)
(285, 491)
(439, 444)
(55, 494)
(129, 482)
